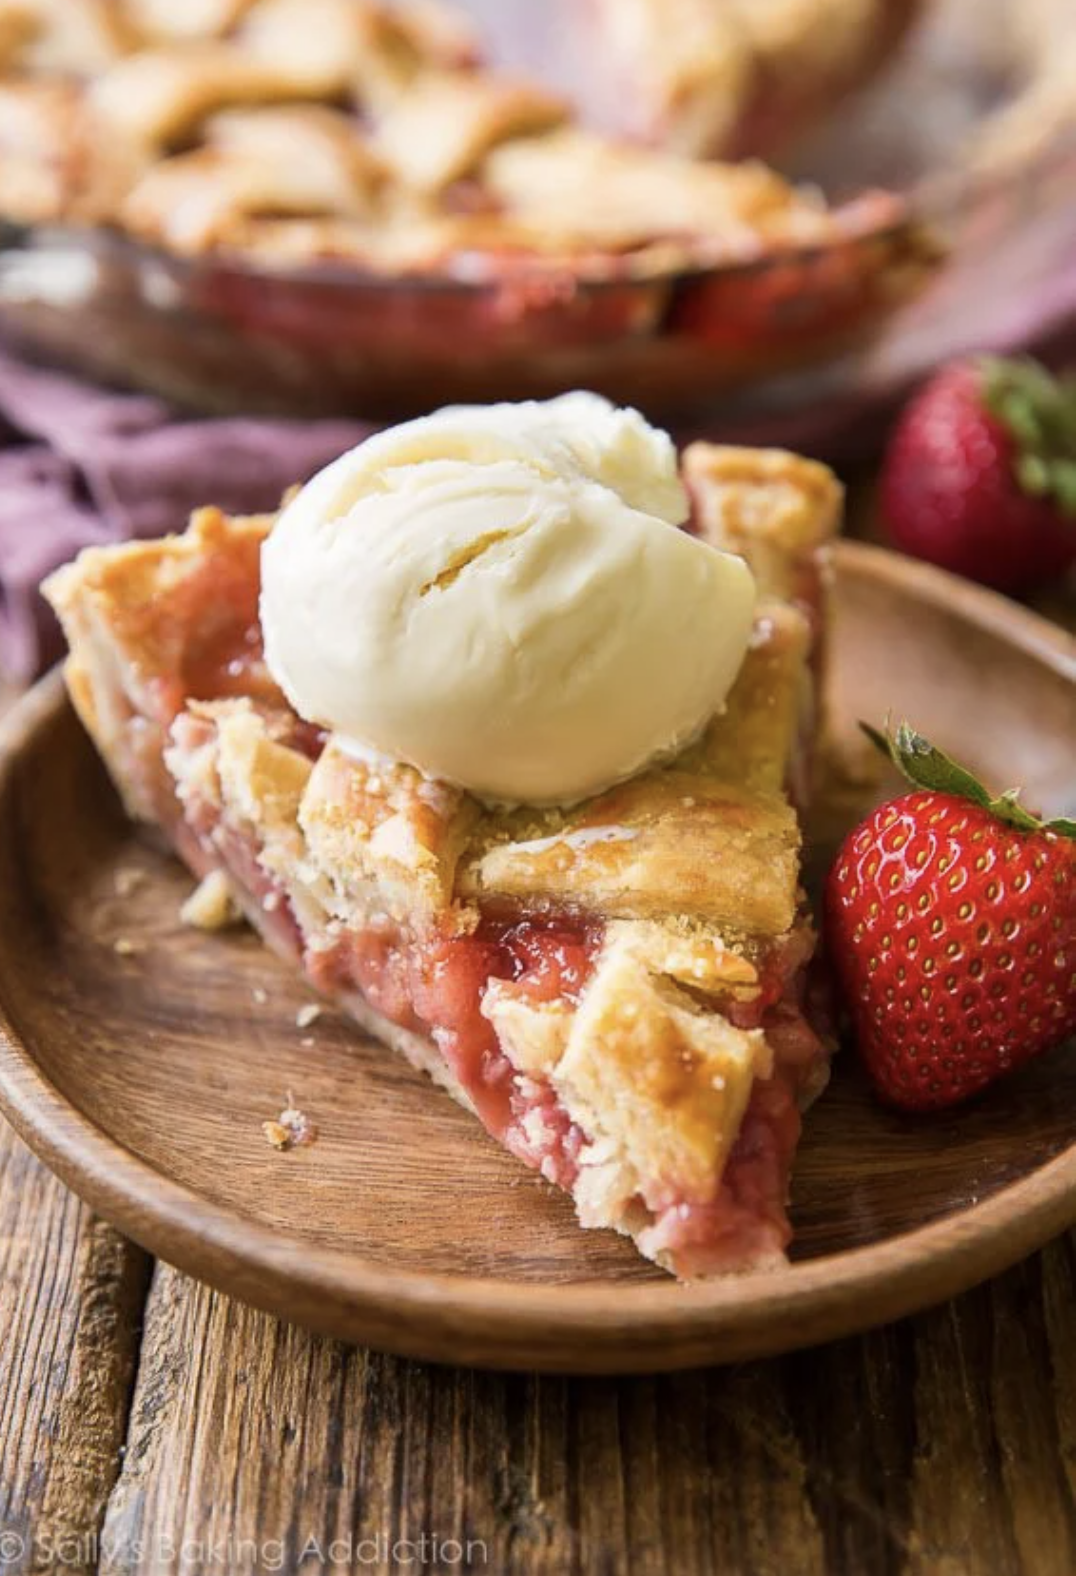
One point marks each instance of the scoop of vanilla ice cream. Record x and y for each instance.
(500, 597)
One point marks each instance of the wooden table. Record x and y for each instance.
(147, 1424)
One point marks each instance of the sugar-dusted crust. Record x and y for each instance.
(369, 52)
(658, 1082)
(729, 855)
(385, 835)
(697, 72)
(300, 160)
(780, 512)
(442, 134)
(575, 185)
(776, 509)
(686, 877)
(754, 738)
(138, 619)
(159, 98)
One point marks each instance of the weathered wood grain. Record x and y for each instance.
(940, 1446)
(71, 1295)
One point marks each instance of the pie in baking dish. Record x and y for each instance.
(731, 77)
(616, 988)
(289, 132)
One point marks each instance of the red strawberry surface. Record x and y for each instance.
(980, 474)
(951, 927)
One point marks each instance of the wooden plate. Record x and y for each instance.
(143, 1076)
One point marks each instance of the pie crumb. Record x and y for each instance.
(259, 996)
(126, 947)
(292, 1129)
(307, 1015)
(212, 904)
(126, 881)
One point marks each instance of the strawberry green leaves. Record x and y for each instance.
(925, 766)
(1039, 412)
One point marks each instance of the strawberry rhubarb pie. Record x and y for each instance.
(499, 731)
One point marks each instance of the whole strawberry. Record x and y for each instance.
(951, 925)
(980, 475)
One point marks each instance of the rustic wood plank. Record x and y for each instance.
(71, 1296)
(943, 1444)
(995, 1384)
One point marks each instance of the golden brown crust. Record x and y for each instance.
(818, 39)
(126, 605)
(301, 160)
(692, 954)
(385, 837)
(441, 132)
(533, 1035)
(127, 574)
(131, 138)
(688, 64)
(259, 780)
(234, 774)
(729, 855)
(158, 98)
(714, 828)
(163, 21)
(135, 615)
(362, 48)
(577, 185)
(71, 37)
(753, 738)
(19, 24)
(39, 149)
(697, 71)
(658, 1083)
(776, 509)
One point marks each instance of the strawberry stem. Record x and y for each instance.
(925, 766)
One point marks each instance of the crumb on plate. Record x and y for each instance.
(212, 904)
(292, 1129)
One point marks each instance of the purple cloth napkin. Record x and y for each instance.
(81, 465)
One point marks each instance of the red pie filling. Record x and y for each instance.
(436, 985)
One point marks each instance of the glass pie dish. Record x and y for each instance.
(939, 257)
(219, 334)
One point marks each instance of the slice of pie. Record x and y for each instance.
(616, 990)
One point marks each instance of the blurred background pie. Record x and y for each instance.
(710, 208)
